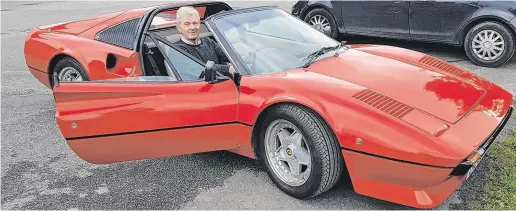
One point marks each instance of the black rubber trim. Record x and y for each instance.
(156, 130)
(394, 159)
(463, 168)
(36, 69)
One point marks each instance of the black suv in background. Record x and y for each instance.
(485, 29)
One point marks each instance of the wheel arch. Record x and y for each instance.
(55, 59)
(257, 124)
(312, 6)
(487, 18)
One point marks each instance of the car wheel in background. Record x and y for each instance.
(299, 151)
(323, 21)
(489, 44)
(68, 69)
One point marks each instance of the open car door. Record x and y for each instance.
(135, 118)
(146, 117)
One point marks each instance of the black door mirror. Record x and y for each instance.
(55, 80)
(211, 75)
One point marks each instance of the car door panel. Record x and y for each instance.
(439, 20)
(456, 13)
(123, 120)
(425, 21)
(379, 17)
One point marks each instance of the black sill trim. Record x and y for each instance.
(36, 69)
(397, 160)
(463, 168)
(156, 130)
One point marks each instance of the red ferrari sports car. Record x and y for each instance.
(408, 127)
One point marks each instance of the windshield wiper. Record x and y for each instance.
(321, 51)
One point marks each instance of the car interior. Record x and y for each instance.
(251, 41)
(153, 60)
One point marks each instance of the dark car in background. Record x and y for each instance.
(485, 29)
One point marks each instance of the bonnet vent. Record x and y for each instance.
(383, 103)
(442, 65)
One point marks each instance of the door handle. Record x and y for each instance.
(397, 2)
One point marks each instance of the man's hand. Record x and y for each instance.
(231, 69)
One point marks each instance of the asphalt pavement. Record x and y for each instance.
(39, 171)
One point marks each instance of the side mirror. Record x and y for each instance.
(55, 80)
(209, 73)
(212, 76)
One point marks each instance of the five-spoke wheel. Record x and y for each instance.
(69, 74)
(299, 151)
(69, 69)
(288, 153)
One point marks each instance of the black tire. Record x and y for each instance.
(326, 157)
(507, 36)
(334, 32)
(70, 62)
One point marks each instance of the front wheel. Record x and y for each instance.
(489, 44)
(299, 151)
(322, 20)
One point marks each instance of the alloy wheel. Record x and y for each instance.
(488, 45)
(287, 152)
(69, 74)
(320, 23)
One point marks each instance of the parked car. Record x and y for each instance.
(485, 29)
(408, 127)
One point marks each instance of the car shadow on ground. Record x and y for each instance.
(165, 183)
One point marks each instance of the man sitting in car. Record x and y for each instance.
(205, 49)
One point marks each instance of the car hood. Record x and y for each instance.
(442, 95)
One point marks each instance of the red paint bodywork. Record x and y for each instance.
(76, 39)
(418, 117)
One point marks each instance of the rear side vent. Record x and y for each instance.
(123, 34)
(383, 103)
(431, 61)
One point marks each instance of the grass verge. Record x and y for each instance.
(499, 192)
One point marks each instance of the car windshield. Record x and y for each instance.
(272, 40)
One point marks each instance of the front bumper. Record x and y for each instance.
(298, 8)
(467, 167)
(409, 184)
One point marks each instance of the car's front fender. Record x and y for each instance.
(358, 126)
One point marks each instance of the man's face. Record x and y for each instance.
(189, 27)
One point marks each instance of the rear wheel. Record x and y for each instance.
(489, 44)
(68, 69)
(322, 20)
(299, 151)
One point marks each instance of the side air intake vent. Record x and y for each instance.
(123, 34)
(383, 103)
(430, 61)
